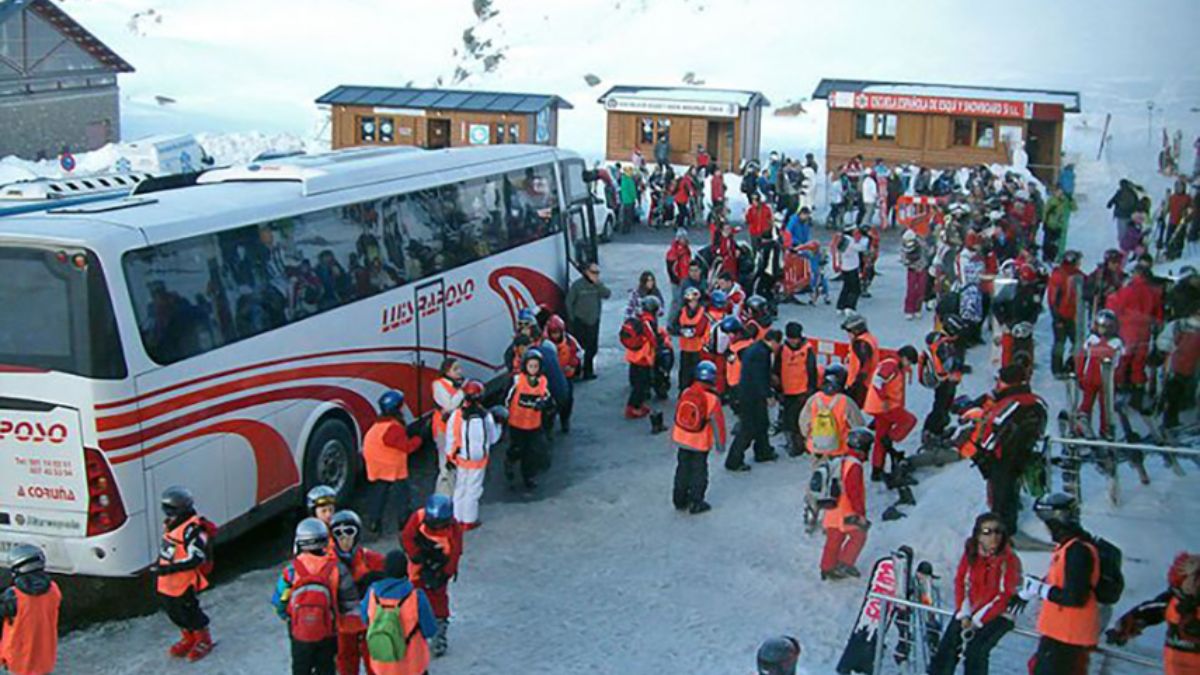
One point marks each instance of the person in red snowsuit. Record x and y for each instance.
(726, 249)
(1063, 299)
(759, 220)
(1103, 344)
(885, 403)
(989, 574)
(846, 523)
(1139, 304)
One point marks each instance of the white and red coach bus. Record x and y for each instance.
(233, 335)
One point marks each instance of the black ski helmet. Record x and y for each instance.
(794, 330)
(860, 440)
(177, 501)
(346, 522)
(778, 656)
(1057, 508)
(835, 379)
(854, 323)
(26, 559)
(651, 304)
(756, 306)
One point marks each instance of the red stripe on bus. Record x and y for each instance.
(359, 408)
(275, 362)
(397, 375)
(9, 368)
(276, 467)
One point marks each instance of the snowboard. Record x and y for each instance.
(858, 656)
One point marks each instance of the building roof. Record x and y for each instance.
(1069, 100)
(743, 99)
(442, 99)
(70, 29)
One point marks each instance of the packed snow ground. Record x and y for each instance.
(598, 573)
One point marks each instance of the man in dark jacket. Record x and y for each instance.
(754, 391)
(1123, 203)
(583, 311)
(1012, 426)
(662, 152)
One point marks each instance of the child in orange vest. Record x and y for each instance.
(365, 566)
(29, 611)
(527, 401)
(184, 562)
(386, 447)
(885, 402)
(642, 339)
(570, 358)
(699, 426)
(433, 540)
(418, 625)
(846, 523)
(1179, 607)
(693, 323)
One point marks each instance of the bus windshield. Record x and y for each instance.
(57, 314)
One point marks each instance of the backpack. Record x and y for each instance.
(825, 485)
(632, 334)
(824, 434)
(210, 538)
(949, 303)
(1112, 582)
(310, 606)
(386, 639)
(926, 374)
(691, 412)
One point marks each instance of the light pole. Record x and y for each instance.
(1149, 121)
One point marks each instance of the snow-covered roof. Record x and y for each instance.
(69, 28)
(441, 99)
(1069, 100)
(742, 99)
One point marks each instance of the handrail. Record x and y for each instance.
(1134, 447)
(1107, 651)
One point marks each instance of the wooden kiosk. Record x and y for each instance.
(728, 123)
(944, 126)
(439, 118)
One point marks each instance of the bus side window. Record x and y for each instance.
(180, 311)
(422, 217)
(532, 196)
(478, 227)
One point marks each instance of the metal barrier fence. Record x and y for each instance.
(1071, 460)
(888, 602)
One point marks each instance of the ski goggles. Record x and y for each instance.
(340, 531)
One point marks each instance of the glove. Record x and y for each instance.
(1032, 588)
(1016, 605)
(858, 522)
(1127, 627)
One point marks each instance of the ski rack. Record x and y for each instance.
(1070, 461)
(888, 601)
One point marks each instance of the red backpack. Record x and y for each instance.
(210, 539)
(691, 413)
(311, 606)
(633, 334)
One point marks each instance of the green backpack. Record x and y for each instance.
(386, 641)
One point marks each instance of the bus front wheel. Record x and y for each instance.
(331, 458)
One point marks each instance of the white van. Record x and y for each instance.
(163, 155)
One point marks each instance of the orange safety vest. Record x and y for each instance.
(524, 411)
(441, 538)
(644, 355)
(884, 396)
(692, 329)
(439, 415)
(1079, 626)
(29, 645)
(854, 366)
(793, 368)
(835, 518)
(173, 550)
(568, 355)
(416, 654)
(385, 461)
(702, 440)
(837, 405)
(1181, 654)
(733, 371)
(458, 425)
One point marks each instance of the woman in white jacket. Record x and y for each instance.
(870, 198)
(471, 432)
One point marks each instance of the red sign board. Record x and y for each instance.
(935, 105)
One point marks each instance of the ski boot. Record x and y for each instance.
(656, 423)
(439, 644)
(834, 574)
(795, 447)
(203, 646)
(187, 640)
(699, 507)
(848, 570)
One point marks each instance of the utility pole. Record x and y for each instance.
(1149, 122)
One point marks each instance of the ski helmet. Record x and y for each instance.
(860, 440)
(855, 324)
(650, 304)
(1071, 257)
(321, 495)
(26, 559)
(1112, 255)
(390, 402)
(1023, 330)
(719, 299)
(1057, 508)
(731, 324)
(525, 317)
(794, 330)
(692, 293)
(706, 372)
(835, 379)
(439, 511)
(756, 305)
(346, 522)
(555, 325)
(177, 501)
(472, 390)
(531, 354)
(1106, 323)
(778, 656)
(953, 325)
(311, 536)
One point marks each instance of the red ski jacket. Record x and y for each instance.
(983, 588)
(1139, 304)
(1060, 294)
(758, 220)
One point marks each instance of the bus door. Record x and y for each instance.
(581, 217)
(429, 301)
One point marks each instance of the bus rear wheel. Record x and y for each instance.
(331, 458)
